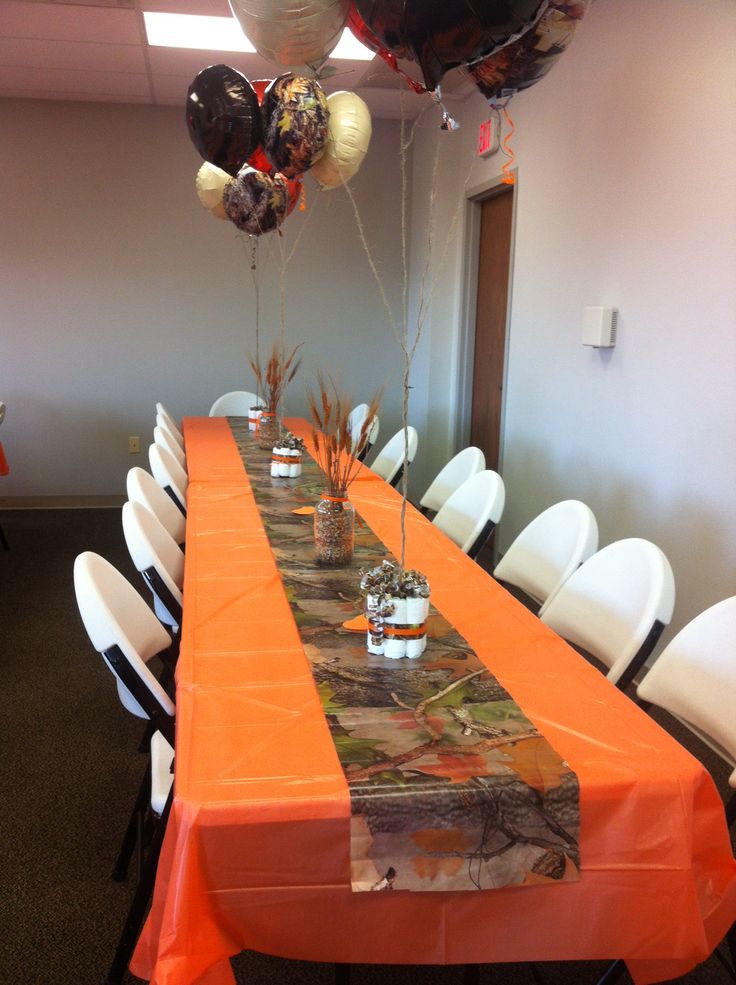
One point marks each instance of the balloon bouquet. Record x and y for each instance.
(258, 139)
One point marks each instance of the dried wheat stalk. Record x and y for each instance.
(335, 451)
(279, 372)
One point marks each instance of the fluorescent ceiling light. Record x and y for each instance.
(194, 31)
(351, 49)
(224, 34)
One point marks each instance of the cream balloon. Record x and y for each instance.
(292, 32)
(348, 137)
(211, 183)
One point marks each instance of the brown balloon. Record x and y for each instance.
(256, 202)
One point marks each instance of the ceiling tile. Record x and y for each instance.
(65, 22)
(75, 97)
(181, 61)
(31, 82)
(171, 89)
(206, 8)
(19, 52)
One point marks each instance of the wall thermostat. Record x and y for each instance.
(599, 327)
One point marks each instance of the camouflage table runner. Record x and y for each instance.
(451, 787)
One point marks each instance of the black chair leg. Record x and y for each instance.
(131, 835)
(3, 540)
(137, 912)
(145, 744)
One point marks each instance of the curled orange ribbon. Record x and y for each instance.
(508, 177)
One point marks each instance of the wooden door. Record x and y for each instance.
(490, 324)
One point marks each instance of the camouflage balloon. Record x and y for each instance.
(295, 118)
(256, 202)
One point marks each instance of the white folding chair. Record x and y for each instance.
(472, 511)
(170, 475)
(466, 463)
(163, 439)
(117, 618)
(236, 403)
(170, 419)
(389, 462)
(616, 605)
(159, 559)
(370, 440)
(355, 420)
(549, 549)
(143, 488)
(694, 679)
(166, 425)
(124, 630)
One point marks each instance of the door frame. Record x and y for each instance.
(474, 197)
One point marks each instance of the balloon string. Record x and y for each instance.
(508, 178)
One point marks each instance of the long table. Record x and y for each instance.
(256, 854)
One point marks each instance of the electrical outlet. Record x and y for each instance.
(134, 445)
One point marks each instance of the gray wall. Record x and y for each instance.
(117, 289)
(626, 196)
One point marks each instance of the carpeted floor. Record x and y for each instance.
(69, 772)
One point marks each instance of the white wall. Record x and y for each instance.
(626, 196)
(118, 289)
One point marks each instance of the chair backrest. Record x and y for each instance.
(694, 677)
(161, 411)
(172, 431)
(169, 474)
(143, 488)
(373, 431)
(236, 403)
(473, 510)
(467, 462)
(389, 462)
(616, 605)
(115, 615)
(355, 420)
(164, 440)
(549, 549)
(158, 557)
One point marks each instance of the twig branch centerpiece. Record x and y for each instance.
(272, 382)
(396, 606)
(336, 451)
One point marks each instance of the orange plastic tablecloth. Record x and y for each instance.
(257, 851)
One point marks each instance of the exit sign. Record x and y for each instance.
(486, 139)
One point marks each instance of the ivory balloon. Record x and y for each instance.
(292, 32)
(348, 137)
(211, 182)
